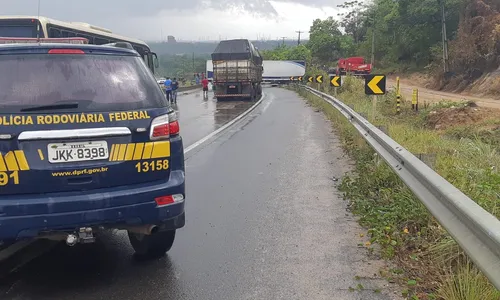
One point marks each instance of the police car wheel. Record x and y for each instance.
(152, 246)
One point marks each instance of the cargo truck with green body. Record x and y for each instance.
(237, 70)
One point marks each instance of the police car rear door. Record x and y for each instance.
(74, 119)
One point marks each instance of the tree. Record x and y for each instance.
(354, 20)
(477, 46)
(326, 41)
(182, 65)
(283, 52)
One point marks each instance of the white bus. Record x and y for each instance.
(42, 27)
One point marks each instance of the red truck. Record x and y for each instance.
(353, 66)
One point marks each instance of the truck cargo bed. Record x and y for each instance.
(236, 71)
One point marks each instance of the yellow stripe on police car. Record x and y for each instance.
(138, 151)
(14, 161)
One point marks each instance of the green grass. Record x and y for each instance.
(393, 216)
(466, 283)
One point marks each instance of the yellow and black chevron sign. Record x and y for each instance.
(13, 161)
(138, 151)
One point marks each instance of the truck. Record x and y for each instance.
(352, 66)
(237, 70)
(275, 71)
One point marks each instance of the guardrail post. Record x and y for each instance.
(427, 158)
(398, 97)
(414, 100)
(377, 158)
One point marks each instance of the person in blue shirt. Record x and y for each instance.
(168, 88)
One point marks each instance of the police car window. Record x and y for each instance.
(98, 82)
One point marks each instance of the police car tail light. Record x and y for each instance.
(160, 128)
(166, 200)
(173, 124)
(164, 126)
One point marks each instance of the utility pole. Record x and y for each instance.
(298, 40)
(373, 43)
(444, 38)
(283, 38)
(373, 48)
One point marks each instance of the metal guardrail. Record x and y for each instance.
(472, 227)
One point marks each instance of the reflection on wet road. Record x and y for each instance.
(199, 116)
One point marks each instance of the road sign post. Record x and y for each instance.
(319, 81)
(375, 85)
(335, 82)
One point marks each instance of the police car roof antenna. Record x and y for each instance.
(38, 23)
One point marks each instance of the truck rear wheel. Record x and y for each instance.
(152, 246)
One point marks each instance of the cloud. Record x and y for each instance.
(112, 8)
(185, 19)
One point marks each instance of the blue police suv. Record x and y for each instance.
(88, 142)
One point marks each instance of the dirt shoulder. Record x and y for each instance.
(426, 95)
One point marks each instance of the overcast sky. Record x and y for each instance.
(185, 19)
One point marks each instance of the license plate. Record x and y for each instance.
(74, 152)
(232, 86)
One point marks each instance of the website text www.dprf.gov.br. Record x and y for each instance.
(80, 172)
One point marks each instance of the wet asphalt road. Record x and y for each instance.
(263, 221)
(199, 116)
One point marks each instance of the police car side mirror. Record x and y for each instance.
(155, 60)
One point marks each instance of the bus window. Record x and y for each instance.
(156, 62)
(88, 37)
(146, 59)
(100, 41)
(66, 33)
(54, 33)
(23, 28)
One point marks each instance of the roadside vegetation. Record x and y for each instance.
(431, 264)
(406, 36)
(182, 66)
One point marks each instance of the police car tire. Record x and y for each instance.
(152, 246)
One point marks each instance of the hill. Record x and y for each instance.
(206, 48)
